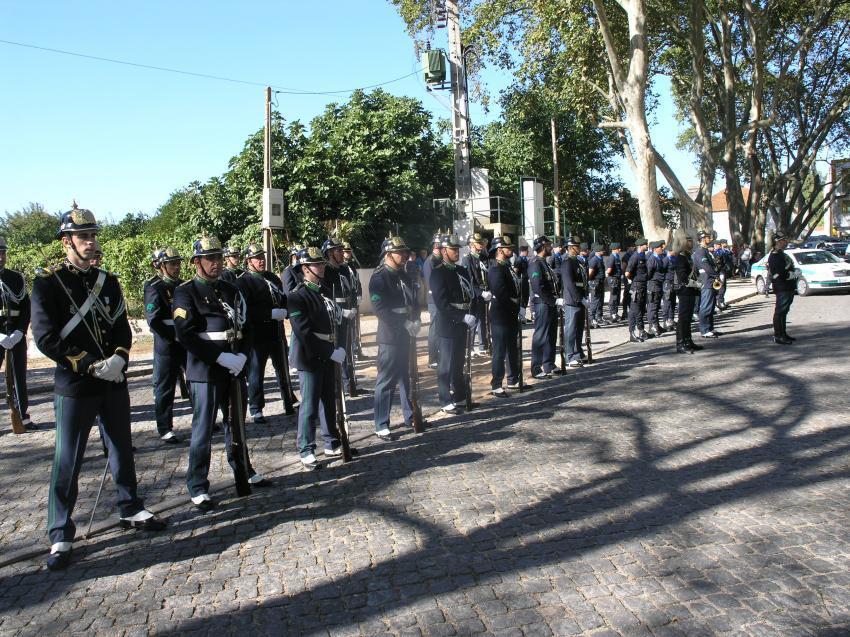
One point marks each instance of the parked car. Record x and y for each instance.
(819, 270)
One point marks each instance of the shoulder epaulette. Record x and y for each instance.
(185, 283)
(48, 271)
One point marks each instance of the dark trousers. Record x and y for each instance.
(614, 301)
(687, 300)
(653, 306)
(505, 346)
(637, 294)
(450, 384)
(19, 358)
(721, 294)
(207, 399)
(75, 416)
(482, 336)
(433, 339)
(668, 302)
(596, 300)
(780, 312)
(544, 341)
(166, 374)
(707, 298)
(257, 359)
(393, 369)
(574, 317)
(318, 407)
(343, 340)
(627, 297)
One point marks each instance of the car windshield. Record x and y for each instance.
(815, 257)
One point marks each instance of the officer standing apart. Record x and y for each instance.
(451, 289)
(14, 323)
(434, 261)
(266, 303)
(544, 293)
(783, 277)
(339, 283)
(596, 285)
(506, 313)
(169, 356)
(209, 318)
(636, 274)
(708, 275)
(477, 264)
(656, 272)
(686, 288)
(232, 265)
(314, 318)
(394, 301)
(613, 273)
(79, 320)
(573, 291)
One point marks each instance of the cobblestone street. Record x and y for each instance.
(647, 494)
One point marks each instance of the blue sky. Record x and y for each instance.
(121, 139)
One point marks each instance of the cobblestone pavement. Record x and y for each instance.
(648, 494)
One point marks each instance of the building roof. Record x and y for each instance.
(719, 202)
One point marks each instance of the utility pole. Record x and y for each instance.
(556, 194)
(460, 109)
(268, 244)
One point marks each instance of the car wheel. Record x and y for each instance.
(803, 288)
(760, 285)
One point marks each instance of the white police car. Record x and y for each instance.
(818, 269)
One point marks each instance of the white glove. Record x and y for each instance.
(232, 362)
(16, 337)
(110, 369)
(486, 296)
(559, 302)
(6, 342)
(470, 320)
(412, 327)
(522, 314)
(278, 314)
(338, 355)
(349, 314)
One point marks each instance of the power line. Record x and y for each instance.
(207, 76)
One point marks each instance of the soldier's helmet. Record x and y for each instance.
(206, 246)
(450, 241)
(330, 244)
(3, 245)
(254, 250)
(310, 255)
(77, 220)
(438, 238)
(233, 251)
(394, 244)
(501, 242)
(572, 241)
(477, 237)
(540, 243)
(702, 234)
(166, 255)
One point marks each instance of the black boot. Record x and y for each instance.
(681, 348)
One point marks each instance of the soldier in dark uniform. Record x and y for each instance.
(434, 261)
(313, 318)
(292, 273)
(668, 293)
(544, 292)
(686, 288)
(596, 285)
(783, 277)
(210, 320)
(394, 301)
(636, 273)
(266, 303)
(626, 283)
(79, 319)
(725, 261)
(340, 285)
(169, 356)
(476, 263)
(656, 272)
(505, 315)
(520, 263)
(14, 322)
(708, 274)
(556, 258)
(583, 253)
(613, 274)
(232, 265)
(451, 288)
(572, 300)
(351, 261)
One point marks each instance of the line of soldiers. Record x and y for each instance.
(216, 332)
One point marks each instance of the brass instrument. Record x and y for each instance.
(716, 284)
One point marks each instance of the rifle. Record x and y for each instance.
(12, 395)
(467, 368)
(341, 412)
(563, 347)
(486, 339)
(236, 418)
(285, 381)
(349, 361)
(413, 364)
(184, 388)
(587, 336)
(519, 350)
